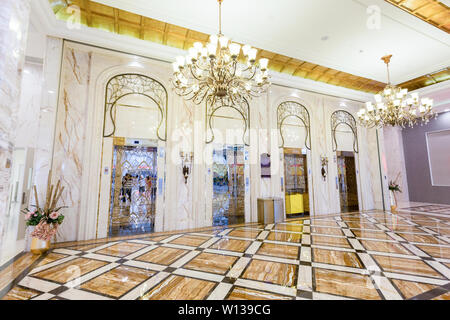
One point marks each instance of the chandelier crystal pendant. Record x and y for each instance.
(393, 107)
(213, 73)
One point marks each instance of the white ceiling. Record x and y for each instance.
(296, 27)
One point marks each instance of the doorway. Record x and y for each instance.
(133, 190)
(348, 187)
(228, 204)
(296, 182)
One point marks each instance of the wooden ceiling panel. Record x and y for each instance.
(118, 21)
(432, 11)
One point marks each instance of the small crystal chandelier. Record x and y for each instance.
(214, 74)
(393, 107)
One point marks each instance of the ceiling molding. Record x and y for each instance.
(433, 12)
(113, 20)
(117, 29)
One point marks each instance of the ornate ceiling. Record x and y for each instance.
(432, 11)
(122, 22)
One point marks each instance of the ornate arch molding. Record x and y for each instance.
(243, 109)
(344, 117)
(294, 109)
(133, 83)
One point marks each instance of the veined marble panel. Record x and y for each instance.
(14, 20)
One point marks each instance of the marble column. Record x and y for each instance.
(14, 20)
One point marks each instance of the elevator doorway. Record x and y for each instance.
(228, 204)
(348, 187)
(133, 190)
(296, 182)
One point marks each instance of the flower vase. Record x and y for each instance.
(393, 201)
(39, 246)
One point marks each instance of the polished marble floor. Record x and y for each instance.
(371, 255)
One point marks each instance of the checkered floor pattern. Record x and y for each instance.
(371, 255)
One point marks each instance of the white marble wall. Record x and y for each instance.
(393, 143)
(77, 156)
(14, 20)
(30, 105)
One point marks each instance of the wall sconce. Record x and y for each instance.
(324, 170)
(186, 163)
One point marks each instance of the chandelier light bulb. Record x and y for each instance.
(246, 50)
(235, 49)
(252, 54)
(263, 63)
(213, 39)
(223, 41)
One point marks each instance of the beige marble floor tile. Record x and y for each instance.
(244, 233)
(330, 241)
(370, 234)
(289, 227)
(403, 265)
(51, 257)
(324, 223)
(327, 231)
(279, 250)
(117, 281)
(85, 247)
(155, 239)
(180, 288)
(421, 238)
(211, 262)
(10, 272)
(121, 249)
(404, 228)
(273, 272)
(436, 251)
(69, 270)
(231, 245)
(445, 296)
(382, 246)
(443, 232)
(285, 237)
(341, 258)
(345, 284)
(190, 240)
(359, 225)
(20, 293)
(162, 255)
(239, 293)
(411, 289)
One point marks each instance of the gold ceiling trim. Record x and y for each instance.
(433, 12)
(122, 22)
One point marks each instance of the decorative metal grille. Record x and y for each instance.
(133, 192)
(126, 84)
(344, 117)
(294, 109)
(244, 111)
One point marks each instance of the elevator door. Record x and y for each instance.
(348, 188)
(296, 182)
(133, 190)
(228, 186)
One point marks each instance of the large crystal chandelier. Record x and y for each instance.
(394, 107)
(214, 73)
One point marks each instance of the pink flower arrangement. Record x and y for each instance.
(54, 215)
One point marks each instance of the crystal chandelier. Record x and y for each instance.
(214, 74)
(395, 108)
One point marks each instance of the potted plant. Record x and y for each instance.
(393, 189)
(45, 219)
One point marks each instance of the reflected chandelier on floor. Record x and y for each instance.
(393, 107)
(213, 73)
